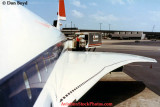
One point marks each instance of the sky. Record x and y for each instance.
(128, 15)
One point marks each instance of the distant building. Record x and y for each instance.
(128, 35)
(70, 31)
(115, 34)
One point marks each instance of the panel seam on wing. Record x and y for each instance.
(71, 91)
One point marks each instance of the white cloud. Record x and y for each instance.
(78, 4)
(38, 2)
(122, 2)
(93, 4)
(130, 1)
(101, 17)
(77, 14)
(155, 15)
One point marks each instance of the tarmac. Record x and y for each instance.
(138, 85)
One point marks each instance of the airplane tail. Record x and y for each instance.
(61, 13)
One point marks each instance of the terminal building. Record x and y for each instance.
(115, 34)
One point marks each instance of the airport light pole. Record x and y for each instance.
(100, 25)
(71, 27)
(109, 28)
(153, 28)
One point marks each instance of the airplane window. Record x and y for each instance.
(39, 75)
(51, 105)
(26, 82)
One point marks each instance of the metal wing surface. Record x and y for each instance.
(76, 72)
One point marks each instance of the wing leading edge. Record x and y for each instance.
(76, 72)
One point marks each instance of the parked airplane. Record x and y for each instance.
(35, 67)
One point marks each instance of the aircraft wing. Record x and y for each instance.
(76, 72)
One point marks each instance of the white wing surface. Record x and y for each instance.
(76, 72)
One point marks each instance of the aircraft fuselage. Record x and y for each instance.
(22, 87)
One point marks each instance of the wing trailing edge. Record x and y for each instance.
(76, 72)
